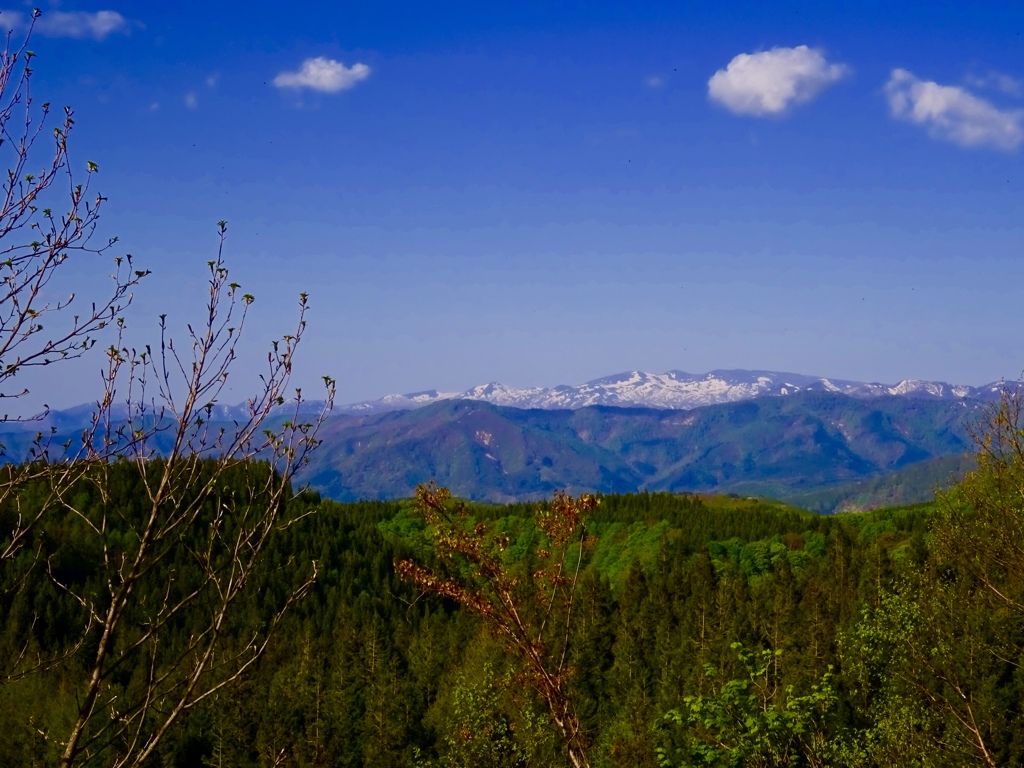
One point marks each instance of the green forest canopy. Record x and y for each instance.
(706, 631)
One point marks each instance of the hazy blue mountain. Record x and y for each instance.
(808, 441)
(765, 433)
(910, 485)
(674, 390)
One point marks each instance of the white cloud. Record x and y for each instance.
(953, 114)
(323, 74)
(80, 25)
(770, 82)
(654, 81)
(191, 101)
(1011, 86)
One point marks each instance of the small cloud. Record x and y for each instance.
(954, 114)
(323, 74)
(1011, 86)
(154, 107)
(770, 82)
(80, 25)
(654, 81)
(191, 101)
(212, 80)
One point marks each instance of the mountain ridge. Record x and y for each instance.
(674, 390)
(769, 445)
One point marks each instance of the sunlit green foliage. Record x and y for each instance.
(769, 635)
(753, 722)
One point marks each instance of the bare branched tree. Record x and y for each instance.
(48, 216)
(187, 461)
(530, 611)
(208, 488)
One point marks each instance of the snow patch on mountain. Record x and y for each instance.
(674, 390)
(677, 390)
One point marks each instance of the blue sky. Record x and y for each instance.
(543, 193)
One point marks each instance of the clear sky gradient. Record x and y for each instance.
(543, 193)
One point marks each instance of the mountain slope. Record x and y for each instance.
(674, 390)
(911, 485)
(810, 440)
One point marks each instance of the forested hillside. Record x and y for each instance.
(782, 447)
(821, 450)
(706, 630)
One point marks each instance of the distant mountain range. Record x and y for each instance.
(826, 443)
(774, 446)
(676, 390)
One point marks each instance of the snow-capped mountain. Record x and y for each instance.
(672, 390)
(634, 389)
